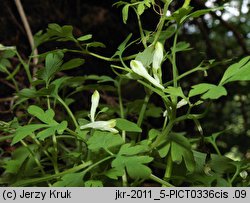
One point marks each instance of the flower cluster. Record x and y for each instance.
(139, 69)
(99, 125)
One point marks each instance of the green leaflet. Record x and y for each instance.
(93, 183)
(70, 180)
(146, 57)
(180, 149)
(21, 163)
(84, 37)
(113, 173)
(125, 13)
(128, 158)
(24, 131)
(53, 64)
(60, 33)
(103, 140)
(126, 125)
(73, 63)
(175, 91)
(47, 117)
(208, 91)
(237, 72)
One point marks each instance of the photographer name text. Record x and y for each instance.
(36, 195)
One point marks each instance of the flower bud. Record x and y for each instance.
(94, 104)
(157, 60)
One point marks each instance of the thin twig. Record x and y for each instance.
(28, 31)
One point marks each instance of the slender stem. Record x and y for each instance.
(111, 59)
(55, 154)
(169, 167)
(39, 144)
(11, 77)
(162, 21)
(121, 106)
(96, 164)
(26, 67)
(68, 110)
(141, 30)
(33, 155)
(164, 134)
(143, 109)
(234, 176)
(158, 180)
(184, 75)
(84, 51)
(175, 70)
(4, 138)
(51, 177)
(216, 148)
(73, 133)
(124, 177)
(35, 159)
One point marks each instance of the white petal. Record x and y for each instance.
(139, 69)
(181, 103)
(102, 125)
(94, 104)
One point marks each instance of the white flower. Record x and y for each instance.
(165, 113)
(94, 104)
(139, 69)
(243, 174)
(157, 60)
(4, 48)
(181, 103)
(102, 125)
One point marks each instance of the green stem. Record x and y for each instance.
(41, 147)
(169, 167)
(184, 75)
(84, 51)
(11, 77)
(175, 70)
(158, 180)
(164, 134)
(121, 106)
(71, 132)
(141, 30)
(35, 159)
(26, 67)
(68, 110)
(51, 177)
(111, 59)
(7, 137)
(124, 177)
(216, 148)
(55, 154)
(234, 176)
(162, 21)
(143, 109)
(96, 164)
